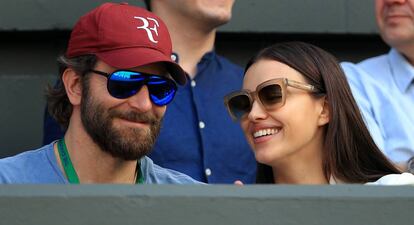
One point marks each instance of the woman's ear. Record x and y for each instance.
(324, 112)
(72, 82)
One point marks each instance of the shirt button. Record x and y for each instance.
(201, 124)
(174, 57)
(193, 83)
(208, 172)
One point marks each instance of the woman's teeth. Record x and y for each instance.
(265, 132)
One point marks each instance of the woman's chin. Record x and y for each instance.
(264, 158)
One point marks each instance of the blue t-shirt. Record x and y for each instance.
(198, 137)
(40, 167)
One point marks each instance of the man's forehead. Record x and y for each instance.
(158, 68)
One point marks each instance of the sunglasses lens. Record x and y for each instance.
(239, 105)
(124, 84)
(271, 95)
(162, 90)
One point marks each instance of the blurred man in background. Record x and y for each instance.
(198, 138)
(384, 85)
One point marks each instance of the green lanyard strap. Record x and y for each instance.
(140, 178)
(67, 163)
(70, 171)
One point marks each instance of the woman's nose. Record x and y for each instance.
(257, 112)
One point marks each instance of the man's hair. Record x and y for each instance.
(58, 103)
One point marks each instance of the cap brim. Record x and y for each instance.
(132, 57)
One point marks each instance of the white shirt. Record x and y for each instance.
(390, 179)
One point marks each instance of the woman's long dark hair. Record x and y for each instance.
(349, 152)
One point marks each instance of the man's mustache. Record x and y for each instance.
(135, 117)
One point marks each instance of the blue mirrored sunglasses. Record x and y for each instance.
(124, 84)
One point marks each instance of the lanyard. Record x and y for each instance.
(70, 171)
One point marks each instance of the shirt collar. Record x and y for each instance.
(208, 56)
(401, 70)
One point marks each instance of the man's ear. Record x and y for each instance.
(72, 82)
(324, 113)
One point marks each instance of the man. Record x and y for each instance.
(384, 85)
(198, 137)
(114, 87)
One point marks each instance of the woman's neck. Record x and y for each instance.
(305, 166)
(299, 174)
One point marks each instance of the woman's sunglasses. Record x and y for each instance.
(124, 84)
(270, 94)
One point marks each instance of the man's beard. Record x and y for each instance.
(128, 143)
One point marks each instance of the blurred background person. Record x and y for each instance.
(198, 138)
(383, 86)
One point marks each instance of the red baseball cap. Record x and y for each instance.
(124, 36)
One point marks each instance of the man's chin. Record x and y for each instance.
(130, 153)
(133, 144)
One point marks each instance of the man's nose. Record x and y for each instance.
(141, 101)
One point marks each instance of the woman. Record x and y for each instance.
(298, 115)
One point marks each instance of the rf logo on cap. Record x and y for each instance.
(149, 30)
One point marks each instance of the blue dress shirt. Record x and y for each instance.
(383, 87)
(198, 137)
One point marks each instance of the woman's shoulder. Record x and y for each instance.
(395, 179)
